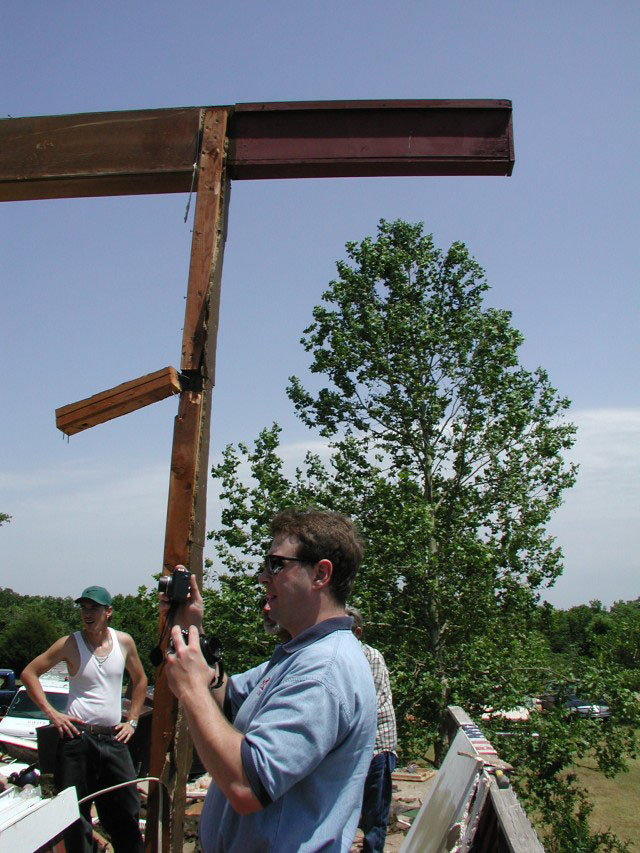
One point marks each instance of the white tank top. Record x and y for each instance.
(95, 691)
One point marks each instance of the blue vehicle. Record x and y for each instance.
(8, 689)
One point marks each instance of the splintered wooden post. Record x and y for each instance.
(171, 748)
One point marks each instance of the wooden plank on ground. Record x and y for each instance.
(124, 398)
(418, 776)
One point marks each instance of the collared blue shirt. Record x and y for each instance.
(308, 716)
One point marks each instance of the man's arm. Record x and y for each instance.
(64, 649)
(217, 742)
(138, 678)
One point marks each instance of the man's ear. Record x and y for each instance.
(323, 570)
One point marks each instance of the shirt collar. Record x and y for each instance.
(317, 632)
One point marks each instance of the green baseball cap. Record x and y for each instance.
(96, 593)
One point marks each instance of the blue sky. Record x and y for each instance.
(93, 289)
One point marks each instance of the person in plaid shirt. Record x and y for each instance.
(376, 800)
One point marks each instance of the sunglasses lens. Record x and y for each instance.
(273, 564)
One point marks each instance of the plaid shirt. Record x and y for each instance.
(386, 737)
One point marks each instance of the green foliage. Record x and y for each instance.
(4, 518)
(60, 612)
(138, 616)
(460, 448)
(610, 637)
(29, 634)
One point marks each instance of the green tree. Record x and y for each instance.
(138, 616)
(4, 518)
(621, 645)
(27, 636)
(467, 444)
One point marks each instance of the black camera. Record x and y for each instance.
(211, 649)
(175, 586)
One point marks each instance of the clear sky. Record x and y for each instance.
(93, 289)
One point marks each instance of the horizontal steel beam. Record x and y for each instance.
(371, 138)
(153, 151)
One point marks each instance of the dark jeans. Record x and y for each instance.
(91, 763)
(376, 802)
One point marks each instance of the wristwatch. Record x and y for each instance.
(133, 724)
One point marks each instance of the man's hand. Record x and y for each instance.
(125, 732)
(186, 669)
(64, 723)
(189, 613)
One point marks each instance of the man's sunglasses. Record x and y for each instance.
(274, 564)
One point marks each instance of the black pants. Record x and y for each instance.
(376, 802)
(91, 763)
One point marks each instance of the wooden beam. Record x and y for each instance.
(203, 293)
(124, 398)
(186, 523)
(153, 151)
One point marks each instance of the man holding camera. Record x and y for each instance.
(288, 743)
(92, 752)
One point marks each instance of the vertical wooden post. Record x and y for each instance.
(171, 748)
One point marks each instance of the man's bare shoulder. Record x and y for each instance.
(63, 646)
(126, 640)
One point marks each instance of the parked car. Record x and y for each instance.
(585, 708)
(575, 705)
(8, 689)
(23, 716)
(519, 713)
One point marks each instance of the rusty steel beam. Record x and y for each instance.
(153, 151)
(337, 139)
(98, 154)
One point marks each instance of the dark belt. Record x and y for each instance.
(96, 730)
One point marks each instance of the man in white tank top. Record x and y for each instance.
(92, 752)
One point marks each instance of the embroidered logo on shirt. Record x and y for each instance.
(263, 685)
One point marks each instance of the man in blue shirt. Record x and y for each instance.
(288, 772)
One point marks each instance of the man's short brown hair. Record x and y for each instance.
(325, 535)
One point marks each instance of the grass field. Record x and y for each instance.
(616, 801)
